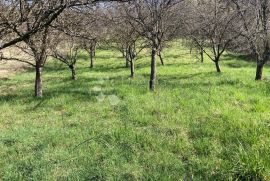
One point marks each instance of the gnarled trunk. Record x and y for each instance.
(38, 81)
(153, 75)
(259, 71)
(73, 72)
(217, 66)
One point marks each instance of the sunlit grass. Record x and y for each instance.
(198, 124)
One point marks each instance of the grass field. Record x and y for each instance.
(197, 125)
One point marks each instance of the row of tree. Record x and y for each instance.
(61, 28)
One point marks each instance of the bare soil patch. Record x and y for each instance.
(9, 68)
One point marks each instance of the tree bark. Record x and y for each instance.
(132, 69)
(127, 59)
(217, 66)
(153, 75)
(92, 52)
(202, 57)
(161, 58)
(259, 71)
(73, 72)
(38, 81)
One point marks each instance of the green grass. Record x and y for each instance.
(198, 124)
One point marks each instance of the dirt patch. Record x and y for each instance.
(9, 68)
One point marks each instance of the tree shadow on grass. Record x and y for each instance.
(55, 66)
(177, 56)
(239, 61)
(172, 81)
(41, 103)
(80, 90)
(240, 57)
(97, 68)
(106, 56)
(104, 69)
(83, 56)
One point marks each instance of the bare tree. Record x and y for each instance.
(254, 18)
(126, 38)
(16, 15)
(120, 33)
(36, 48)
(66, 51)
(153, 20)
(86, 24)
(90, 47)
(28, 22)
(39, 50)
(212, 25)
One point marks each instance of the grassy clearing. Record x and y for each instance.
(104, 126)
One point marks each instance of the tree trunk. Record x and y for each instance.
(38, 81)
(259, 71)
(217, 66)
(92, 52)
(161, 58)
(153, 75)
(73, 72)
(202, 57)
(127, 63)
(132, 69)
(127, 59)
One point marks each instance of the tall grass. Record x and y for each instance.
(197, 125)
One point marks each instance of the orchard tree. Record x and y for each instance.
(120, 33)
(34, 51)
(126, 38)
(87, 24)
(254, 18)
(28, 22)
(213, 26)
(90, 47)
(66, 50)
(121, 38)
(20, 19)
(154, 21)
(38, 45)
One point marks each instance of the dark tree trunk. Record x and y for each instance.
(161, 58)
(132, 69)
(92, 54)
(38, 81)
(94, 50)
(217, 66)
(259, 71)
(127, 59)
(73, 72)
(127, 63)
(153, 75)
(202, 57)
